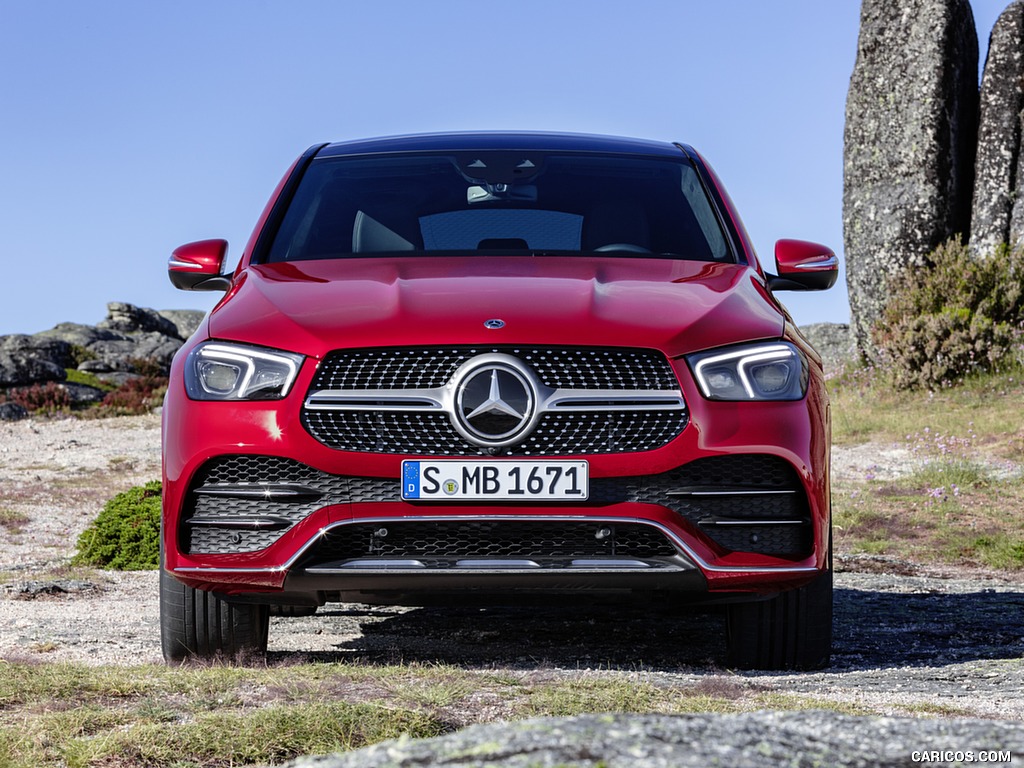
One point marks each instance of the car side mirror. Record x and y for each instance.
(197, 266)
(803, 266)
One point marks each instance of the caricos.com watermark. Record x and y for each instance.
(960, 756)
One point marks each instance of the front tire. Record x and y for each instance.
(199, 625)
(792, 630)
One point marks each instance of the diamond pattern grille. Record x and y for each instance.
(426, 368)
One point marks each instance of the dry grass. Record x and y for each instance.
(961, 503)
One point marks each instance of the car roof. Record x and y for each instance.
(502, 140)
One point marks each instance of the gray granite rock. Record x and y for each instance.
(80, 335)
(81, 394)
(186, 321)
(748, 740)
(12, 412)
(127, 318)
(909, 143)
(94, 366)
(998, 210)
(121, 354)
(833, 341)
(25, 360)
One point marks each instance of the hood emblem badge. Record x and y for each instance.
(494, 324)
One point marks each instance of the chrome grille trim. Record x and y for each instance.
(563, 400)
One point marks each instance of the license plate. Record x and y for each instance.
(453, 480)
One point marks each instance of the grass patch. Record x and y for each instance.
(921, 520)
(74, 376)
(988, 405)
(13, 520)
(268, 735)
(945, 513)
(1000, 551)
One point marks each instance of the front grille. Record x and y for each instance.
(426, 368)
(432, 434)
(240, 473)
(745, 503)
(411, 432)
(448, 540)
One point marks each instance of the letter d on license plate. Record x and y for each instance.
(453, 480)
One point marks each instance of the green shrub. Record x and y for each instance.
(80, 354)
(955, 317)
(126, 534)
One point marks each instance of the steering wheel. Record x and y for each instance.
(622, 247)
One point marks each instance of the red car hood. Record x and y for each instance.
(313, 307)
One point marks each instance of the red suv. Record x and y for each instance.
(470, 366)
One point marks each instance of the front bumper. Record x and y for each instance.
(254, 505)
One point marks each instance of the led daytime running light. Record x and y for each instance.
(251, 363)
(742, 362)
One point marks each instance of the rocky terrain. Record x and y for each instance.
(129, 341)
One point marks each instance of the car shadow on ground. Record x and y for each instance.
(873, 630)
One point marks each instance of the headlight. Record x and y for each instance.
(219, 371)
(774, 371)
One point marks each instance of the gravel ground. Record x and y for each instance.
(929, 640)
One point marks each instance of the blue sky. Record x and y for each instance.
(130, 128)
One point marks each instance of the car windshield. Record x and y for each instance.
(500, 202)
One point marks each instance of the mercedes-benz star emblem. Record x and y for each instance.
(494, 324)
(495, 402)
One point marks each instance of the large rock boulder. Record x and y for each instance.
(127, 318)
(185, 321)
(25, 360)
(124, 354)
(748, 740)
(909, 145)
(998, 212)
(78, 335)
(833, 341)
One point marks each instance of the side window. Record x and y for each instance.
(703, 212)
